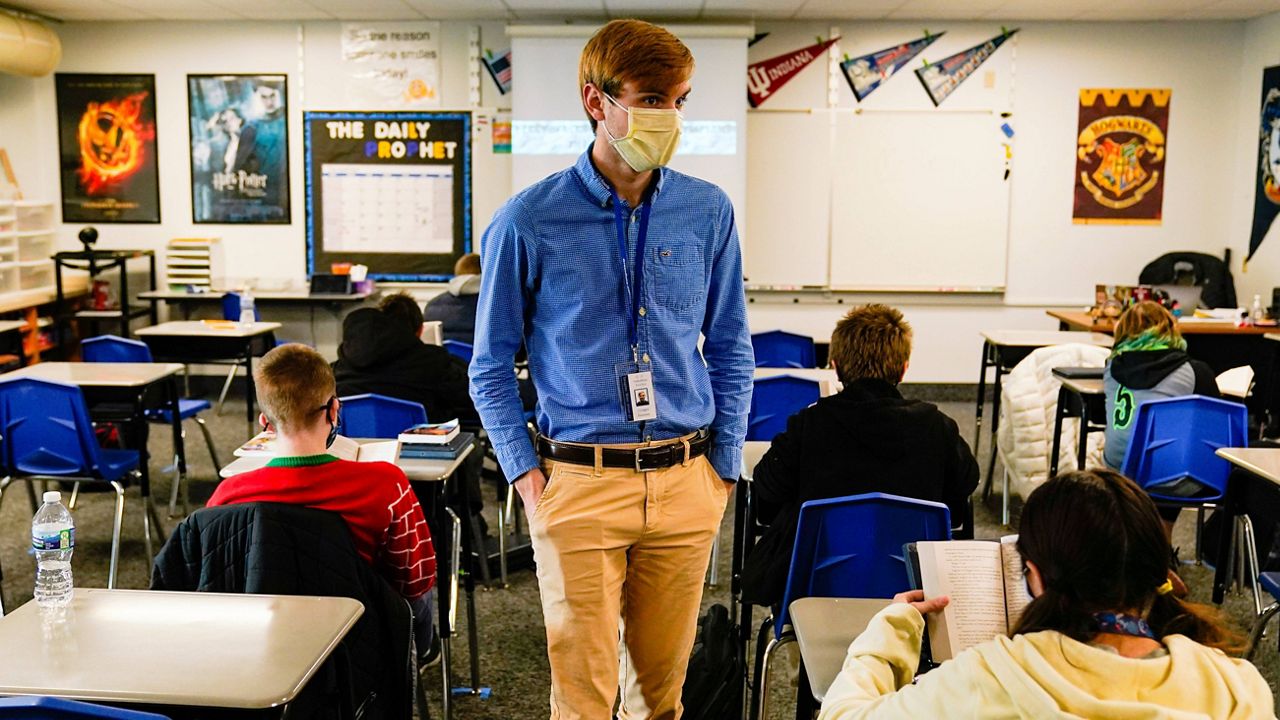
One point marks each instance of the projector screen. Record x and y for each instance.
(550, 129)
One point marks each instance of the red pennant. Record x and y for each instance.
(767, 76)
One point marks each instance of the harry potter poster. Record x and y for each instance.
(1120, 156)
(107, 148)
(239, 148)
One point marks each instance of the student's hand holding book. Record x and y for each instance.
(915, 598)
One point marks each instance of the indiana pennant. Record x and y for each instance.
(767, 76)
(940, 79)
(1266, 197)
(868, 72)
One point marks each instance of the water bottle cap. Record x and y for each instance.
(53, 496)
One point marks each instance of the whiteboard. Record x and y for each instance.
(788, 198)
(919, 201)
(889, 200)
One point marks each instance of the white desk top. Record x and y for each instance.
(1044, 338)
(11, 325)
(1271, 336)
(824, 628)
(87, 374)
(194, 649)
(200, 328)
(1083, 386)
(287, 295)
(1263, 462)
(828, 382)
(372, 449)
(752, 451)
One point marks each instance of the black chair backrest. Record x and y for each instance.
(273, 548)
(1213, 275)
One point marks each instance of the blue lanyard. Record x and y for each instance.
(1121, 624)
(635, 290)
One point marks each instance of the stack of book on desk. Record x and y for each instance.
(433, 441)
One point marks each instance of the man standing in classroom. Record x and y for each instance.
(609, 272)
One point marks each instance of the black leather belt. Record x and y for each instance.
(640, 459)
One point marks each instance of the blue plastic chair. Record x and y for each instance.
(231, 308)
(850, 547)
(111, 348)
(460, 349)
(1176, 438)
(781, 349)
(774, 399)
(378, 416)
(48, 436)
(48, 708)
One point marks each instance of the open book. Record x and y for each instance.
(343, 448)
(987, 590)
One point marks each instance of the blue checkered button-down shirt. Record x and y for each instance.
(553, 279)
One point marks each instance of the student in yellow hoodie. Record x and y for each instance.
(1102, 638)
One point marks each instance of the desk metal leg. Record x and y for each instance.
(179, 451)
(995, 415)
(249, 390)
(1222, 564)
(1058, 416)
(471, 553)
(1082, 444)
(982, 398)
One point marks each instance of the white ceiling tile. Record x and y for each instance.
(274, 10)
(1232, 10)
(845, 10)
(654, 8)
(454, 10)
(368, 9)
(943, 9)
(1014, 10)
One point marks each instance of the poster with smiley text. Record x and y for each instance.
(107, 148)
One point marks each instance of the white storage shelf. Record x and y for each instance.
(26, 244)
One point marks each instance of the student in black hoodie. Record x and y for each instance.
(867, 438)
(382, 352)
(1148, 361)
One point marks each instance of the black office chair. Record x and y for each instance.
(279, 549)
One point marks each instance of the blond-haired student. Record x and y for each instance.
(296, 391)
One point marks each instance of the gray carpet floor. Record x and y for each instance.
(512, 644)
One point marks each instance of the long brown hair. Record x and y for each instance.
(1100, 546)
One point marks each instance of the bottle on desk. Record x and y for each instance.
(53, 539)
(1257, 315)
(248, 314)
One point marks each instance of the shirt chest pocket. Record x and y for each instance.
(680, 277)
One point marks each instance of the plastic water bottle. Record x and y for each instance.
(1257, 315)
(247, 314)
(53, 538)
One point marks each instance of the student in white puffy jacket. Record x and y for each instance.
(1102, 638)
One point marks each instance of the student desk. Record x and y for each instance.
(1219, 344)
(1079, 398)
(195, 341)
(828, 383)
(117, 392)
(1002, 349)
(825, 627)
(458, 559)
(1263, 463)
(192, 649)
(188, 300)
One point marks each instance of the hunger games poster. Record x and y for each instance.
(107, 148)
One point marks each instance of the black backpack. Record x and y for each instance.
(713, 686)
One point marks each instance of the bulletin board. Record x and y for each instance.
(388, 190)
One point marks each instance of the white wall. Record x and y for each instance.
(1051, 261)
(1213, 68)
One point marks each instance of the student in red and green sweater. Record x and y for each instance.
(296, 391)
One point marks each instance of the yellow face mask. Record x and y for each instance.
(652, 136)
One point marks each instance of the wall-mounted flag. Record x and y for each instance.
(499, 67)
(1266, 196)
(767, 76)
(1120, 156)
(940, 79)
(868, 72)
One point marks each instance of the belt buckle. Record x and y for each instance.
(640, 458)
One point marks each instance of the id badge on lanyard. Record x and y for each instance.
(636, 392)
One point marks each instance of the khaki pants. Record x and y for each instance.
(612, 544)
